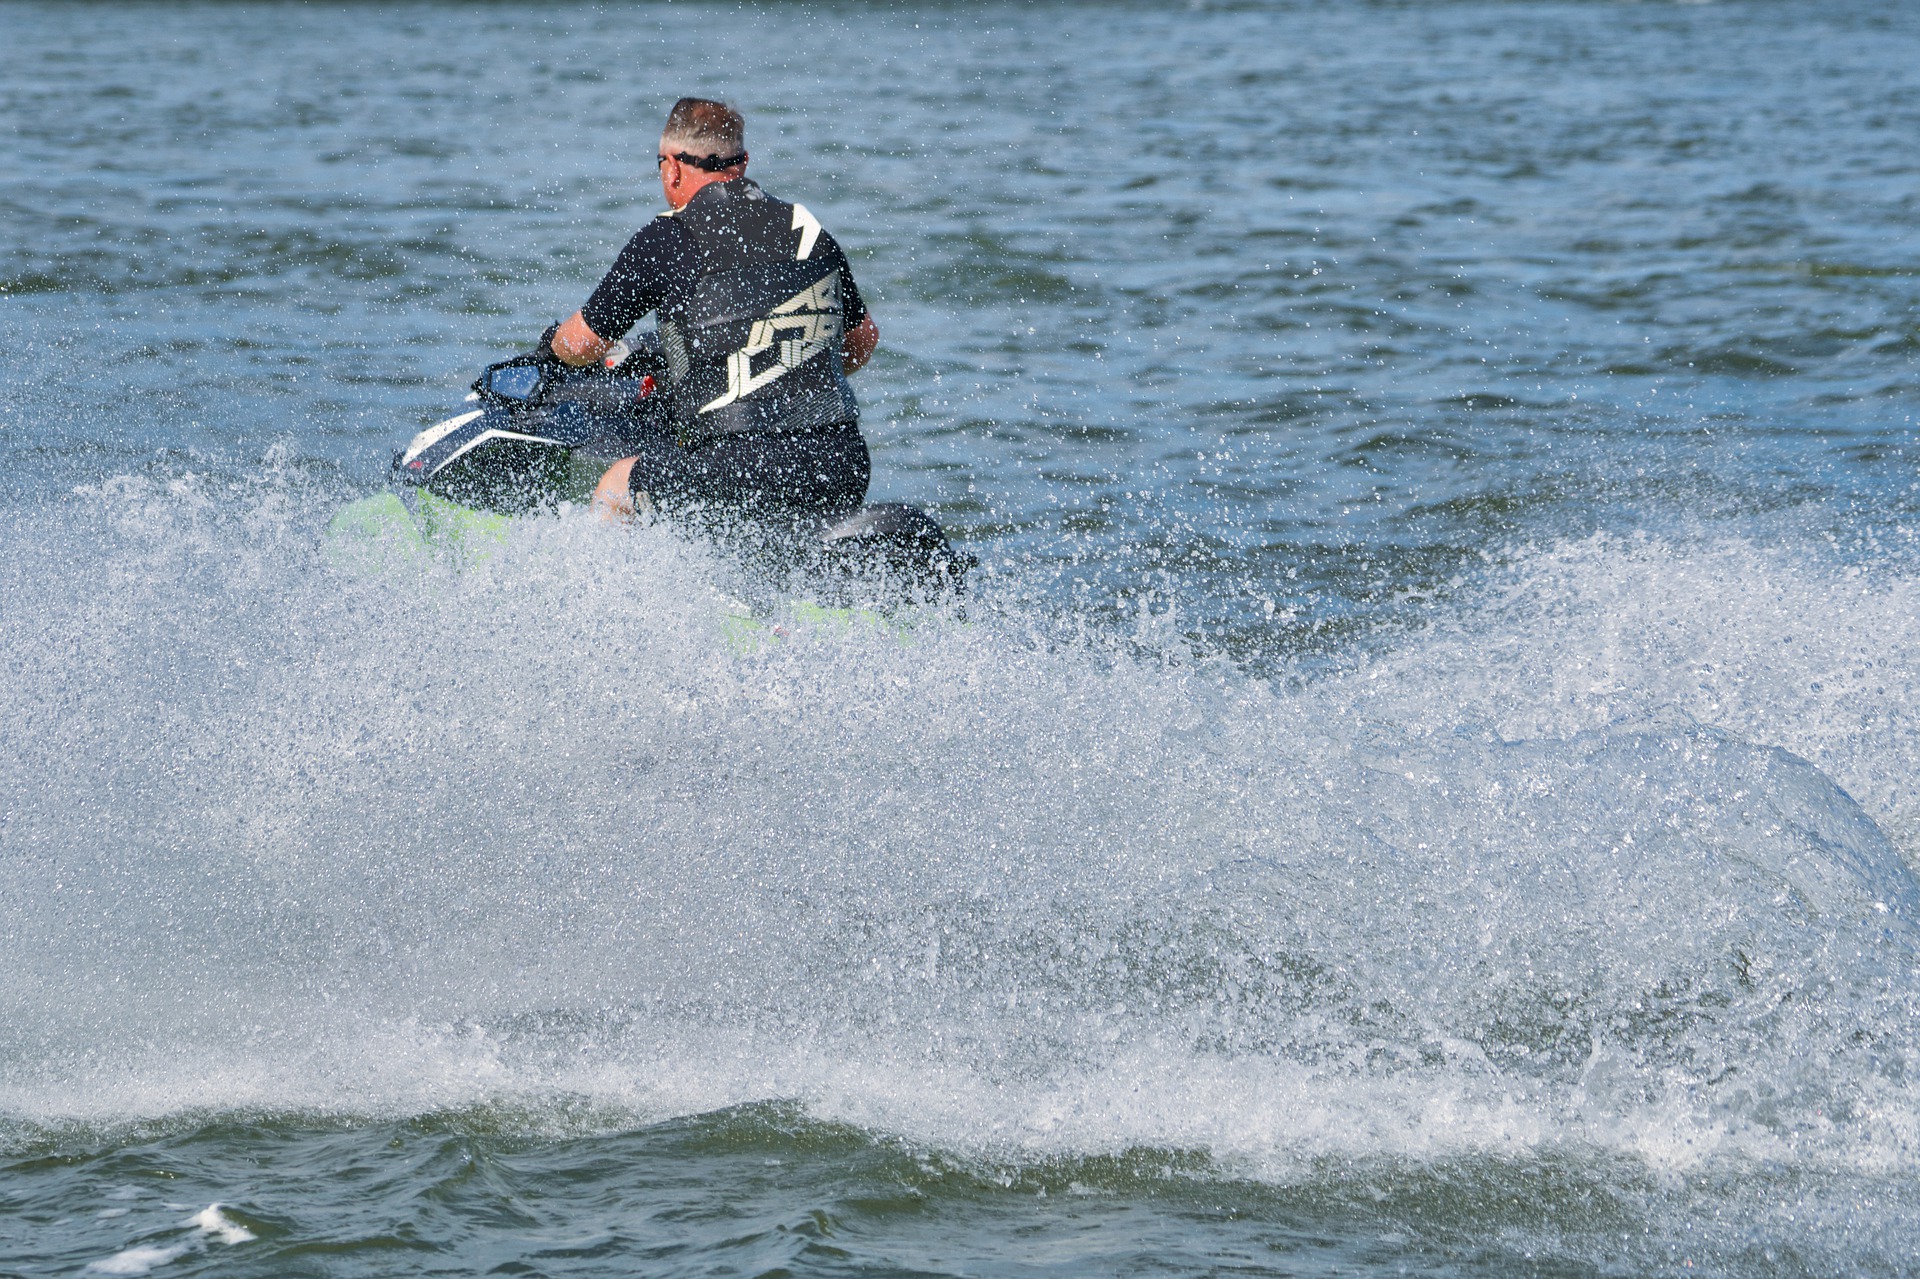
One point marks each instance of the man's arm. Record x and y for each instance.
(856, 348)
(656, 255)
(578, 345)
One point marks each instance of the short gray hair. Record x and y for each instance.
(703, 127)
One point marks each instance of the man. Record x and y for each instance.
(760, 321)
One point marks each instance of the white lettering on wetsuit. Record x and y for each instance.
(800, 328)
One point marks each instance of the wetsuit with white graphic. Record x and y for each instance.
(753, 299)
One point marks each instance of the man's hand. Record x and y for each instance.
(578, 345)
(856, 348)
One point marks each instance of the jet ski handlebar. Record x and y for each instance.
(527, 378)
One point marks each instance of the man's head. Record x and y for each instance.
(704, 142)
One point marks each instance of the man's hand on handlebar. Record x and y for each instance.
(575, 344)
(543, 349)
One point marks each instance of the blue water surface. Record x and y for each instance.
(1426, 781)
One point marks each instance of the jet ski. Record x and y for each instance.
(541, 433)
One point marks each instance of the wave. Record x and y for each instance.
(1574, 868)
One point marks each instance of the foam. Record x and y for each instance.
(1782, 644)
(136, 1261)
(1568, 870)
(221, 1227)
(141, 1259)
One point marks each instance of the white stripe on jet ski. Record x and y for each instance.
(434, 434)
(484, 436)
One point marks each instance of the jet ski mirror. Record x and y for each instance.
(514, 381)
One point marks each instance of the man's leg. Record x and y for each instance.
(822, 474)
(659, 471)
(613, 495)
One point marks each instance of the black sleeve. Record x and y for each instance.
(638, 281)
(853, 306)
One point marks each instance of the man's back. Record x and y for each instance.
(754, 301)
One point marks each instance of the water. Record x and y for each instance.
(1427, 783)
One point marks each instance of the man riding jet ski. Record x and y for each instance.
(760, 321)
(739, 412)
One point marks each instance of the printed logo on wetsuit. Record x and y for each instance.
(800, 328)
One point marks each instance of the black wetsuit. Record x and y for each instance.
(753, 300)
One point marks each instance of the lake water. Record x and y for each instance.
(1427, 782)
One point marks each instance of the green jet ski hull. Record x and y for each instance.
(385, 532)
